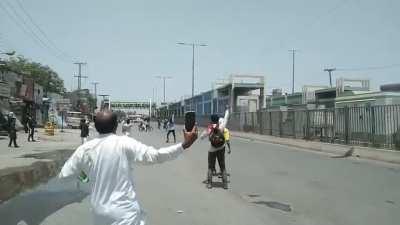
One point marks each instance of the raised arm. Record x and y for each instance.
(139, 152)
(225, 120)
(73, 165)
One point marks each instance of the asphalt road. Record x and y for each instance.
(269, 184)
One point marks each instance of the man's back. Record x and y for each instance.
(108, 161)
(111, 177)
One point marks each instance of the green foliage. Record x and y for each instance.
(41, 74)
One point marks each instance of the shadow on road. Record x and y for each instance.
(216, 184)
(34, 207)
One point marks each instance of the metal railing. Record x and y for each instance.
(373, 126)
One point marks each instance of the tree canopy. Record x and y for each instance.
(41, 74)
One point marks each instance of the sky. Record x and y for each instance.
(127, 43)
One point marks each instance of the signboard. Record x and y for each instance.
(130, 105)
(142, 108)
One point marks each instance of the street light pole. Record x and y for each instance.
(192, 70)
(193, 47)
(330, 70)
(293, 53)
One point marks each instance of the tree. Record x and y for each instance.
(41, 74)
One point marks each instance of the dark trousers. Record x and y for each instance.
(220, 156)
(31, 133)
(173, 133)
(13, 139)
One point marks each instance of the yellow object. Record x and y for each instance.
(49, 129)
(227, 135)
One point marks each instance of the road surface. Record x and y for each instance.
(269, 184)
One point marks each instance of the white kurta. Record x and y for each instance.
(108, 161)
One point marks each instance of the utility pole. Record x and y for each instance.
(79, 76)
(193, 45)
(293, 51)
(95, 92)
(164, 78)
(330, 70)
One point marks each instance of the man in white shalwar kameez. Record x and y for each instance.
(108, 161)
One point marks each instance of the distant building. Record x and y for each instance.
(318, 97)
(239, 92)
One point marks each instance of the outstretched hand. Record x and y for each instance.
(189, 137)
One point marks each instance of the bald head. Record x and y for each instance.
(106, 122)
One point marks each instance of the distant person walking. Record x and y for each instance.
(31, 128)
(84, 130)
(127, 127)
(12, 130)
(171, 128)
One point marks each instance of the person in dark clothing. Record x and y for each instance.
(31, 125)
(84, 130)
(26, 126)
(12, 130)
(171, 128)
(159, 123)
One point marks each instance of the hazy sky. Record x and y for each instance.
(127, 43)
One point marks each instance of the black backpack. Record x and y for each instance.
(217, 138)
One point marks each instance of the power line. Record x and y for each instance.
(41, 30)
(27, 30)
(25, 27)
(316, 20)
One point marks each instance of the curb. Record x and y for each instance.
(15, 180)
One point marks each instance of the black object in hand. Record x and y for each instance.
(190, 120)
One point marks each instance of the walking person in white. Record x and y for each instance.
(108, 161)
(127, 127)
